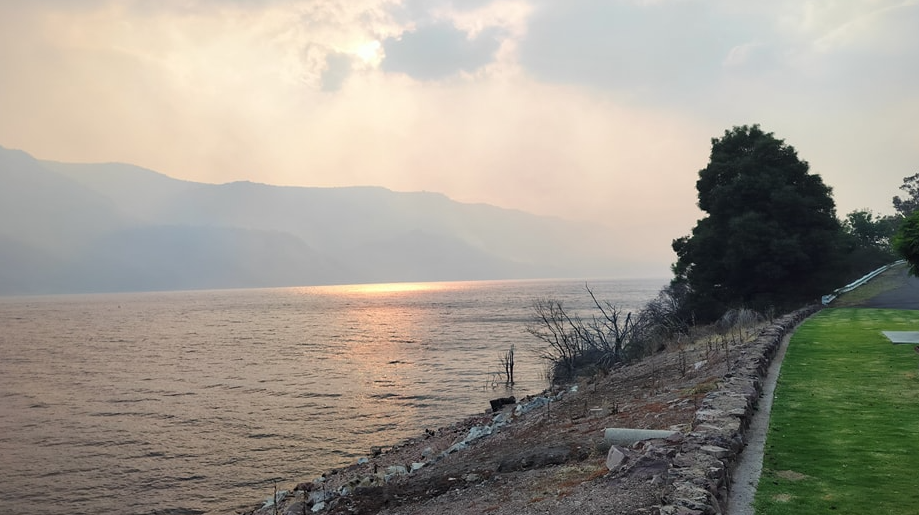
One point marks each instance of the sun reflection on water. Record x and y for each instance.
(372, 289)
(381, 337)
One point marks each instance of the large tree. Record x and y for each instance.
(906, 242)
(866, 241)
(770, 237)
(905, 206)
(870, 229)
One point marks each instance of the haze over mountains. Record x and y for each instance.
(67, 228)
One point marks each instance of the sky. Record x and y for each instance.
(583, 109)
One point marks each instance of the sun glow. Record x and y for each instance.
(369, 52)
(375, 289)
(372, 289)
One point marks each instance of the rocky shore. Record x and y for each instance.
(550, 453)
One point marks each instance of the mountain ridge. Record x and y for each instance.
(120, 227)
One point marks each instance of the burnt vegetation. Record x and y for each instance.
(610, 337)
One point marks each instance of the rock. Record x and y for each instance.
(535, 458)
(699, 475)
(416, 465)
(716, 451)
(472, 478)
(538, 402)
(497, 404)
(396, 470)
(614, 458)
(478, 432)
(459, 446)
(597, 412)
(296, 508)
(319, 506)
(675, 438)
(319, 496)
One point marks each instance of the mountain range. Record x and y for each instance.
(71, 228)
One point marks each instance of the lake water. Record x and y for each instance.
(198, 402)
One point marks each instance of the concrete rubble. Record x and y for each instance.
(318, 498)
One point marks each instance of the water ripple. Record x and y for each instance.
(189, 403)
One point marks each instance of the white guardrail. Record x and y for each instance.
(826, 299)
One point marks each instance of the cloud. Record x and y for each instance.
(743, 55)
(868, 51)
(547, 149)
(689, 53)
(438, 51)
(582, 109)
(649, 52)
(338, 69)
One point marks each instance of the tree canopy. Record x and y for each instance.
(906, 242)
(905, 206)
(770, 235)
(870, 229)
(866, 241)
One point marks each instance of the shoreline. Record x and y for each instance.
(548, 451)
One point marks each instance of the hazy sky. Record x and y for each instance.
(585, 109)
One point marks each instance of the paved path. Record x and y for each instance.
(750, 462)
(904, 297)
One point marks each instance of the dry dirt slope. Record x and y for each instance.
(552, 459)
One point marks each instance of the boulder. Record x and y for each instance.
(614, 458)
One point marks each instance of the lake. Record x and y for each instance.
(200, 401)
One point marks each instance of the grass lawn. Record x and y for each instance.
(844, 430)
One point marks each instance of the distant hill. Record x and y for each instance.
(116, 227)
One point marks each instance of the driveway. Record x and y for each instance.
(904, 297)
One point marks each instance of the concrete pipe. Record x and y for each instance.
(626, 436)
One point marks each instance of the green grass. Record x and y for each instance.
(844, 430)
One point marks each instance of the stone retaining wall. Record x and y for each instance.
(700, 473)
